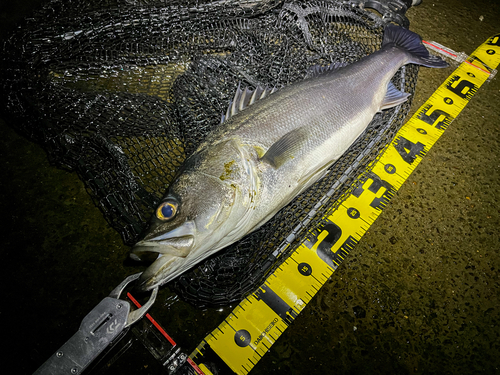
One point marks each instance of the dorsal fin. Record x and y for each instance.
(244, 98)
(317, 70)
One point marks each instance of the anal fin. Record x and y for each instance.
(393, 97)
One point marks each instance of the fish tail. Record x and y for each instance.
(412, 44)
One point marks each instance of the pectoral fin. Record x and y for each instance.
(285, 148)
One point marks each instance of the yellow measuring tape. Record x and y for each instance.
(257, 322)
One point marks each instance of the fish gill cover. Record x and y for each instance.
(122, 91)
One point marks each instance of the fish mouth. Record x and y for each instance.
(150, 250)
(154, 275)
(165, 252)
(165, 256)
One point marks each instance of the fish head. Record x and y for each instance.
(187, 226)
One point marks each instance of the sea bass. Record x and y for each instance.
(270, 148)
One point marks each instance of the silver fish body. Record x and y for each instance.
(267, 153)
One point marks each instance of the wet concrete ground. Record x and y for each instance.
(418, 295)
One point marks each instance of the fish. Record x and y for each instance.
(270, 147)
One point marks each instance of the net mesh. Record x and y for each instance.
(122, 91)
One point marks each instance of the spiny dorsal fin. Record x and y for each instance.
(244, 98)
(286, 147)
(317, 70)
(393, 97)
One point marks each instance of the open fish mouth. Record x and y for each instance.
(178, 242)
(162, 255)
(154, 275)
(162, 251)
(178, 246)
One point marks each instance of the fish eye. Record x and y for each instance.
(166, 211)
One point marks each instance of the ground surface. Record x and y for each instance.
(418, 295)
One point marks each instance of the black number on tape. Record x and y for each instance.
(324, 250)
(375, 186)
(461, 87)
(494, 41)
(430, 116)
(401, 144)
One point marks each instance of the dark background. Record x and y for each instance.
(418, 295)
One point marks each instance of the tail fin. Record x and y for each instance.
(412, 43)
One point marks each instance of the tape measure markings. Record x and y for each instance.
(260, 319)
